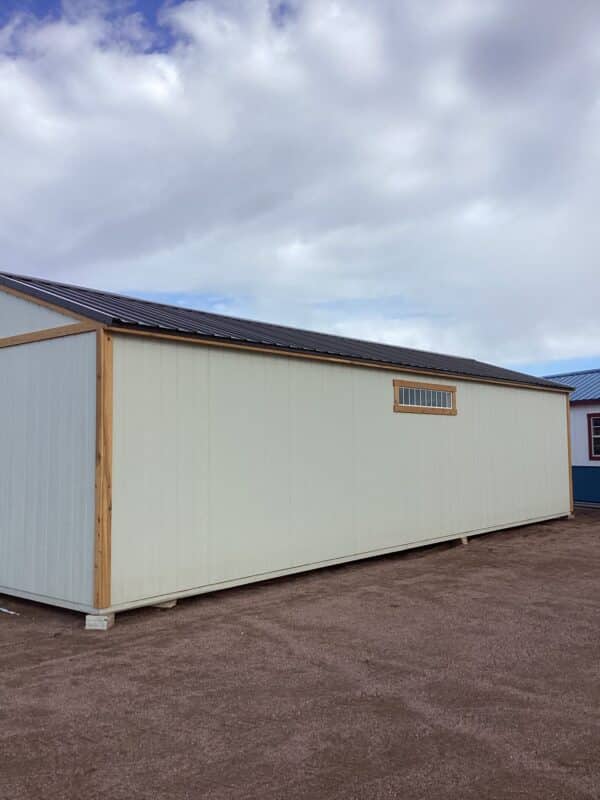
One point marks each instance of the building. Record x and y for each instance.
(585, 433)
(150, 452)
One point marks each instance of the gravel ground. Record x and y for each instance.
(448, 672)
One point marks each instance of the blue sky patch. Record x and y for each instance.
(162, 38)
(53, 9)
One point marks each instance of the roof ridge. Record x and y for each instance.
(576, 372)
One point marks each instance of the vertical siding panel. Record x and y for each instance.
(322, 469)
(47, 452)
(273, 495)
(191, 466)
(248, 435)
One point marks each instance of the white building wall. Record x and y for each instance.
(21, 316)
(229, 465)
(579, 434)
(47, 470)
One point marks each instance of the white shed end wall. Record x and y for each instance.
(19, 316)
(47, 469)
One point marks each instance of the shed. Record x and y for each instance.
(151, 452)
(585, 433)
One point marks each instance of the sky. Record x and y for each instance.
(420, 172)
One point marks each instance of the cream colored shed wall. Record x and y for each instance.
(231, 465)
(47, 470)
(20, 316)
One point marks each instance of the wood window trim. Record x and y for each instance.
(436, 387)
(591, 455)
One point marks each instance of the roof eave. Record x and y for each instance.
(585, 401)
(132, 328)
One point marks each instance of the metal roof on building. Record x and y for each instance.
(585, 383)
(128, 312)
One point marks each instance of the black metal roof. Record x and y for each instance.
(130, 312)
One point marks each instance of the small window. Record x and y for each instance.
(428, 398)
(594, 436)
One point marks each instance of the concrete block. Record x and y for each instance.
(99, 622)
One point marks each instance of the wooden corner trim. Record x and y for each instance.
(104, 425)
(44, 303)
(351, 362)
(48, 333)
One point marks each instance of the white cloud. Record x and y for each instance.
(427, 178)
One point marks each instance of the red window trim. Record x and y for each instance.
(591, 455)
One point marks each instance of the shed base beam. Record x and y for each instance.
(99, 622)
(167, 604)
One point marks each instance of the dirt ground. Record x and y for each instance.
(449, 672)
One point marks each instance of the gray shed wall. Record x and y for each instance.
(21, 316)
(47, 469)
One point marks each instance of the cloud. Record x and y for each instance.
(424, 174)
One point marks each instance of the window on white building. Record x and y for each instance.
(594, 436)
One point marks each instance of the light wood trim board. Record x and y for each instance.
(104, 420)
(48, 333)
(570, 456)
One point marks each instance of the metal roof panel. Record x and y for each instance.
(114, 309)
(586, 384)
